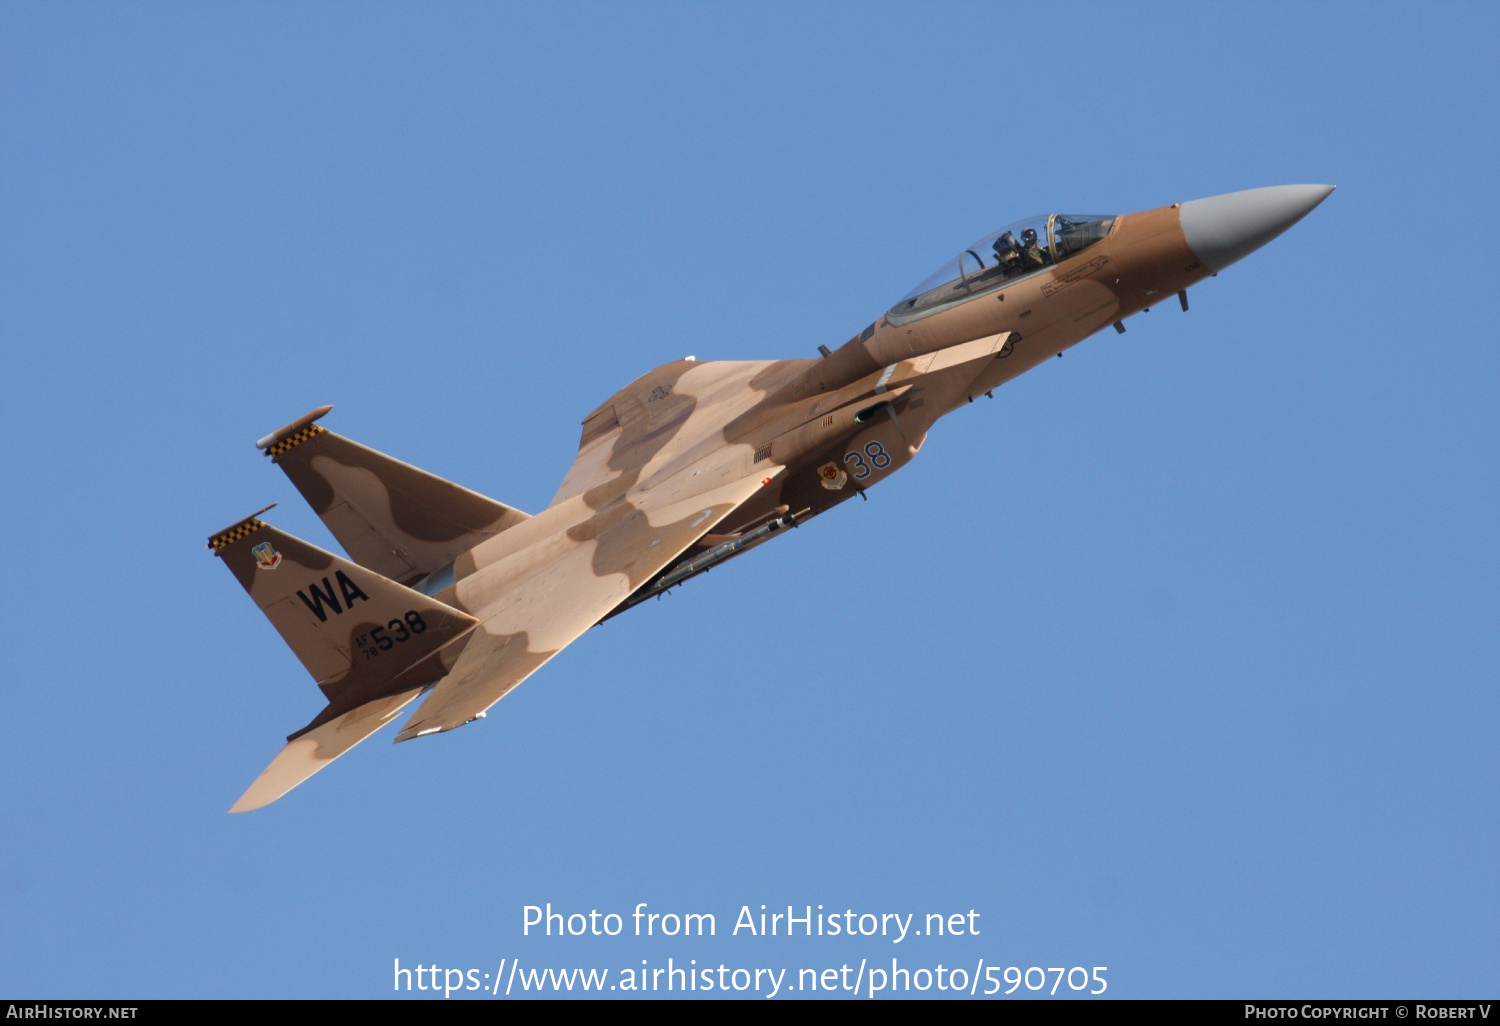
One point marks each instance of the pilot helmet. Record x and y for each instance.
(1028, 236)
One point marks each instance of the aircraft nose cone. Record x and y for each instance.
(1222, 229)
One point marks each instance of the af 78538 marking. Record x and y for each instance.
(376, 640)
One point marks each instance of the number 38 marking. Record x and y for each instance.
(879, 458)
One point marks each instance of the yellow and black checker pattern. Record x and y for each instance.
(240, 530)
(293, 440)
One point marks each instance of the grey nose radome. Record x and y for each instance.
(1222, 229)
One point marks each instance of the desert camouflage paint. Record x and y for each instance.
(453, 595)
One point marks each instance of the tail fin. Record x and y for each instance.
(360, 635)
(399, 521)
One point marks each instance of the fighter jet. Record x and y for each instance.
(448, 594)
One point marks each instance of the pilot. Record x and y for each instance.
(1008, 251)
(1031, 251)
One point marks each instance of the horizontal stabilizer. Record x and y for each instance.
(399, 521)
(307, 753)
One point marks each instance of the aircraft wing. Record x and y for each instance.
(593, 562)
(646, 422)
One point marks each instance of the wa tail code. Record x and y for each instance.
(325, 596)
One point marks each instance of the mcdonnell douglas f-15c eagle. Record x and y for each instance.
(453, 595)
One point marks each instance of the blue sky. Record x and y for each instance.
(1180, 657)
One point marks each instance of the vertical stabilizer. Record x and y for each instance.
(360, 634)
(399, 521)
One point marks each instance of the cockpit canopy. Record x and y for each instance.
(1015, 251)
